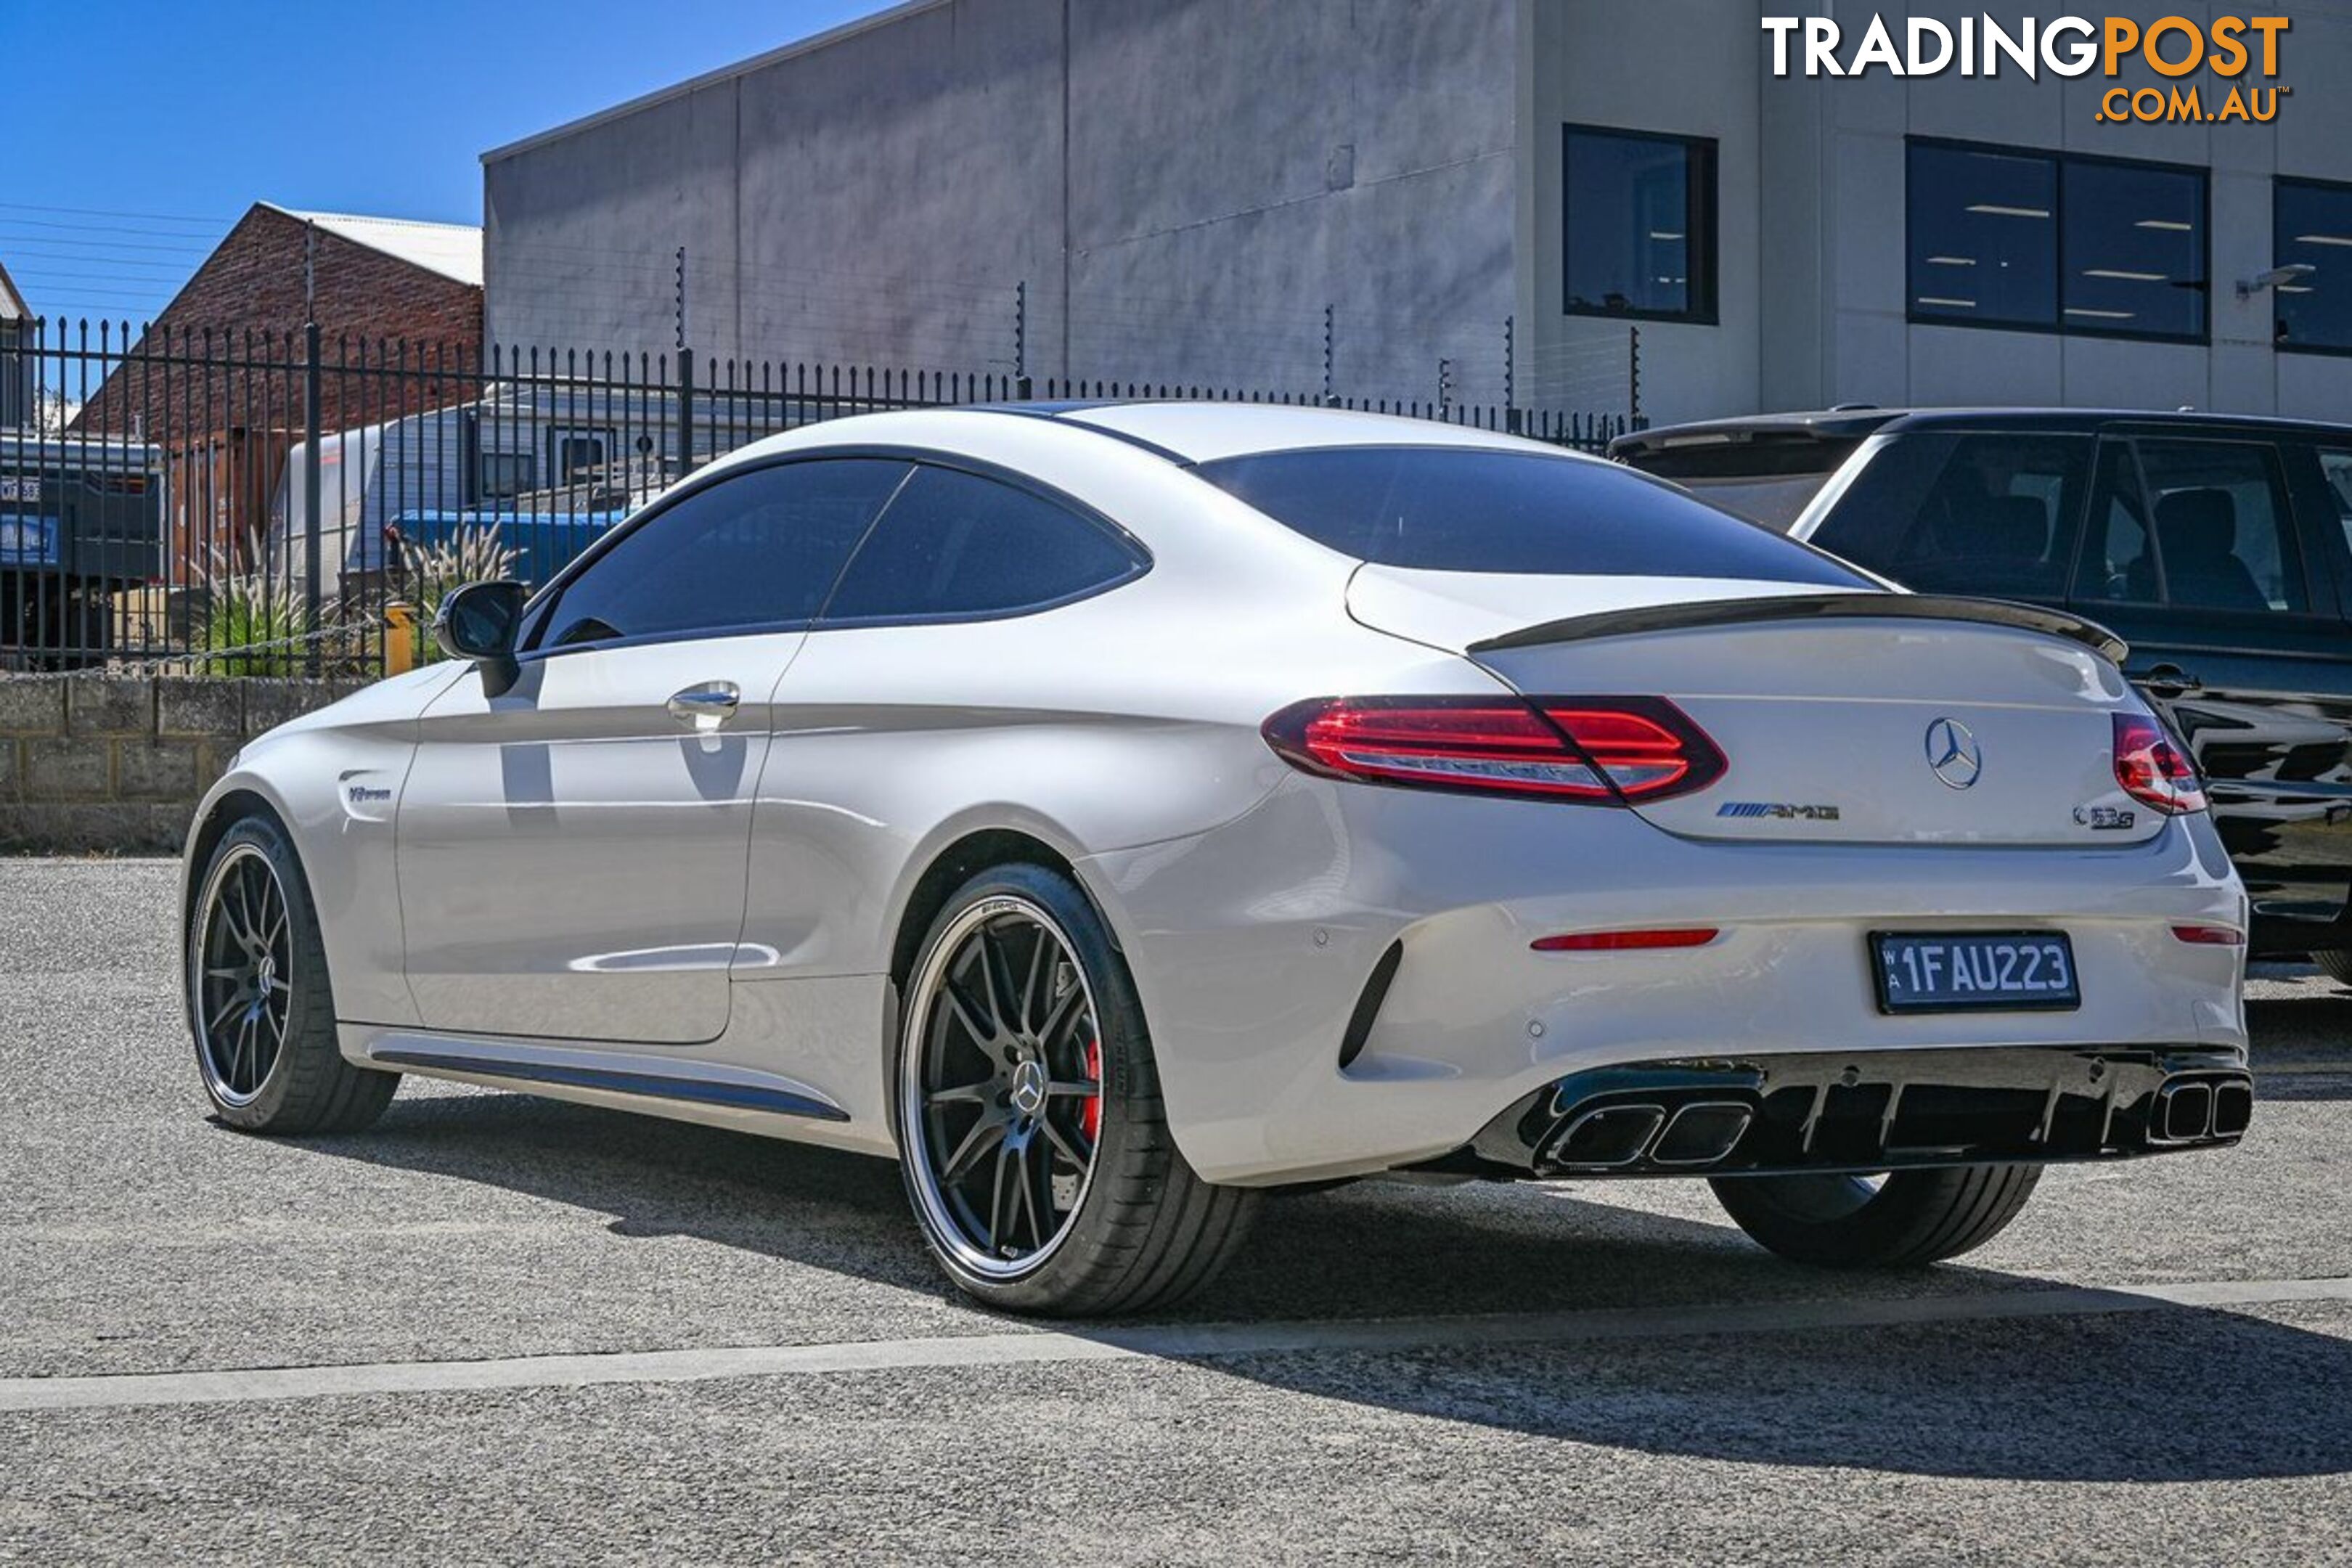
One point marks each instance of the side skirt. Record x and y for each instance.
(742, 1100)
(797, 1100)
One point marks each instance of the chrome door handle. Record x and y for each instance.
(707, 706)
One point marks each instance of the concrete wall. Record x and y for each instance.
(1833, 258)
(1687, 67)
(1182, 185)
(116, 763)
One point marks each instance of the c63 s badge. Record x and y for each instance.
(1780, 808)
(2105, 818)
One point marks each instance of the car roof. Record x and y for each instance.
(1851, 422)
(1205, 432)
(1182, 432)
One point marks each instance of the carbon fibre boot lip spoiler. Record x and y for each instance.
(1812, 607)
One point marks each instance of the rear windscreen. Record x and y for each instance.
(1459, 508)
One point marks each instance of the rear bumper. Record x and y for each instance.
(1868, 1112)
(1255, 945)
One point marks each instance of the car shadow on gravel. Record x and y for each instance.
(2178, 1394)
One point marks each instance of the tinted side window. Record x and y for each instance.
(2336, 465)
(2222, 539)
(759, 549)
(954, 545)
(1966, 515)
(1447, 509)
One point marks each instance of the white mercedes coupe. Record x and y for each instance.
(1114, 811)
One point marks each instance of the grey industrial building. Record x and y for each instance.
(1410, 196)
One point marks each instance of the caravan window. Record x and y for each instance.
(574, 455)
(502, 476)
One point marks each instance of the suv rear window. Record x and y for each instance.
(1766, 478)
(1943, 513)
(1457, 509)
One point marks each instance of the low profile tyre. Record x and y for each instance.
(258, 999)
(1903, 1220)
(1034, 1146)
(2337, 965)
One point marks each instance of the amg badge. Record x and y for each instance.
(1780, 808)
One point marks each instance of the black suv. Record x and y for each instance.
(2220, 548)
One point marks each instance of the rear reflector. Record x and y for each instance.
(1602, 750)
(2152, 769)
(2210, 936)
(1624, 940)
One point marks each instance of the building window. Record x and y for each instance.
(2310, 225)
(2049, 242)
(1638, 235)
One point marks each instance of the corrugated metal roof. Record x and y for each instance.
(452, 249)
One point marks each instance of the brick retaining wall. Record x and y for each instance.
(116, 763)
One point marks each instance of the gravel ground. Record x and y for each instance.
(138, 1238)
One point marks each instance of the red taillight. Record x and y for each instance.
(1624, 940)
(2152, 769)
(1599, 750)
(2210, 936)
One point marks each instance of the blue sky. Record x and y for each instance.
(138, 130)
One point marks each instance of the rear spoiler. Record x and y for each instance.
(1814, 607)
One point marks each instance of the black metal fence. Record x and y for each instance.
(287, 504)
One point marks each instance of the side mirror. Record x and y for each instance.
(479, 622)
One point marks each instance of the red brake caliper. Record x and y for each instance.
(1090, 1108)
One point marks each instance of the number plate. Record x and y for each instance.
(1975, 972)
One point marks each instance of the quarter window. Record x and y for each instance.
(953, 546)
(1639, 216)
(762, 548)
(2008, 237)
(2312, 226)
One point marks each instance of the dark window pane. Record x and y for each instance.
(759, 549)
(2117, 567)
(2313, 227)
(2336, 467)
(956, 544)
(2135, 250)
(1983, 236)
(1966, 515)
(508, 474)
(1639, 214)
(2222, 537)
(1447, 509)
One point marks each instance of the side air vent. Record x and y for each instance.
(1368, 1005)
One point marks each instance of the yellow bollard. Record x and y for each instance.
(400, 638)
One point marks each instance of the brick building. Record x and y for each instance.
(371, 283)
(217, 379)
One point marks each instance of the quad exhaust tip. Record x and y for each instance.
(1610, 1137)
(2194, 1111)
